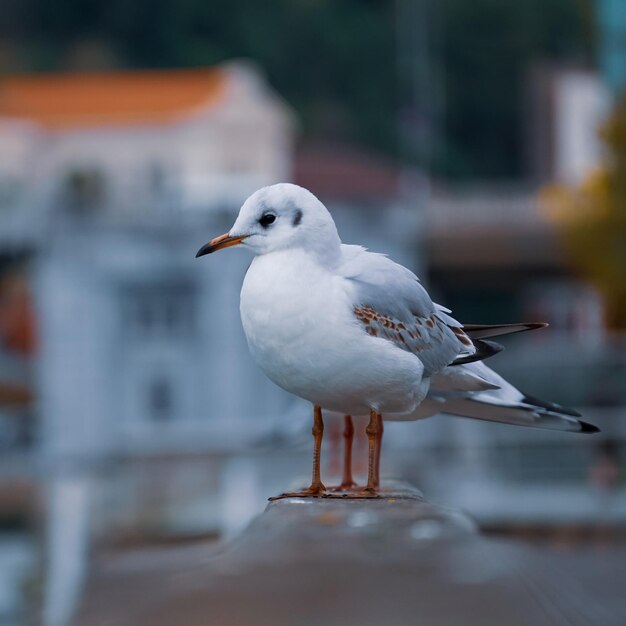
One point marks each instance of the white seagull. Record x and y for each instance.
(353, 332)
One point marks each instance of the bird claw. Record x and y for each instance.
(352, 491)
(355, 494)
(343, 492)
(314, 491)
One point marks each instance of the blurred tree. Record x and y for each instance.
(488, 48)
(333, 61)
(593, 220)
(336, 62)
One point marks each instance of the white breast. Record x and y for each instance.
(301, 330)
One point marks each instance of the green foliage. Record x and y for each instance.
(334, 60)
(488, 49)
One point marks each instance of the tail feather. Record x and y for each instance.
(550, 406)
(504, 403)
(483, 331)
(520, 415)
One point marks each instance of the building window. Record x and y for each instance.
(160, 399)
(162, 309)
(84, 191)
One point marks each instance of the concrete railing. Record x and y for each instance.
(334, 562)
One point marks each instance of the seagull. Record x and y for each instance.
(355, 333)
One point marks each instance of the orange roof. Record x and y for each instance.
(92, 99)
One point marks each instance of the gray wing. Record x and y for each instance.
(392, 304)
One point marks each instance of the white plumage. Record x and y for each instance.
(354, 332)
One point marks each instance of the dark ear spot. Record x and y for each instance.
(297, 218)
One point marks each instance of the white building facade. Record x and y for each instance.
(109, 183)
(114, 181)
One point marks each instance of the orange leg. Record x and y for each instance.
(379, 441)
(372, 437)
(333, 441)
(317, 488)
(318, 434)
(348, 488)
(347, 481)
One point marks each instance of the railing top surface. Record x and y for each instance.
(397, 560)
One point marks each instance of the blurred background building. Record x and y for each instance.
(130, 410)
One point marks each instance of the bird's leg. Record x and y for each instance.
(347, 482)
(379, 441)
(318, 434)
(317, 488)
(348, 437)
(333, 439)
(372, 436)
(348, 489)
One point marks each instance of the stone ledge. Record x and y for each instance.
(336, 562)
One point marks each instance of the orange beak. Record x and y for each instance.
(223, 241)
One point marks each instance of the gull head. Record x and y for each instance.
(281, 217)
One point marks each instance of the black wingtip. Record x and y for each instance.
(587, 428)
(484, 350)
(550, 406)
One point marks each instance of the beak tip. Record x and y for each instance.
(223, 241)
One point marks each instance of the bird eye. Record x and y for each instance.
(266, 219)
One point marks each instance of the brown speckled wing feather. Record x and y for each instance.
(392, 304)
(434, 342)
